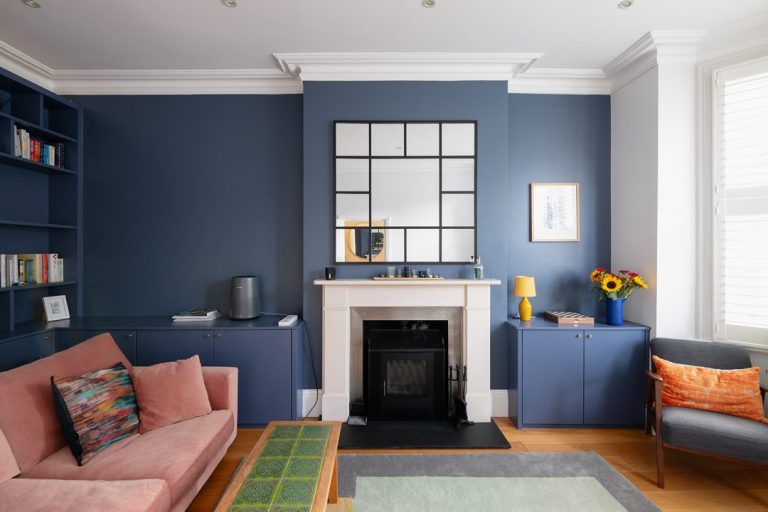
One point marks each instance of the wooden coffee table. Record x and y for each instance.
(291, 467)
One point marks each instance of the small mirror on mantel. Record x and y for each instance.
(405, 191)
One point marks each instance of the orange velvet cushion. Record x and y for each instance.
(734, 392)
(170, 392)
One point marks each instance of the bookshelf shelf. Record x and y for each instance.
(17, 161)
(37, 286)
(39, 130)
(50, 198)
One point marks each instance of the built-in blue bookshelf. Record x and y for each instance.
(40, 204)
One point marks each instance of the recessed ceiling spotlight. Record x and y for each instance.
(32, 3)
(229, 3)
(625, 4)
(428, 3)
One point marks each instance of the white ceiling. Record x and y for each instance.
(204, 34)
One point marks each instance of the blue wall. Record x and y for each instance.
(560, 139)
(234, 168)
(485, 102)
(183, 192)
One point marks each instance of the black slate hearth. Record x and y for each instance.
(421, 435)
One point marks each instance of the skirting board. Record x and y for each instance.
(499, 403)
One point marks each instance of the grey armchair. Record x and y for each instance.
(709, 433)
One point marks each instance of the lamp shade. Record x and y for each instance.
(525, 286)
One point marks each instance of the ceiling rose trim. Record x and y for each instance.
(654, 48)
(405, 66)
(180, 81)
(560, 81)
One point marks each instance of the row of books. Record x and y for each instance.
(25, 146)
(28, 269)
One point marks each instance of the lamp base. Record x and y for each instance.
(525, 309)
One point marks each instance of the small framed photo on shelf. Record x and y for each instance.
(554, 212)
(55, 308)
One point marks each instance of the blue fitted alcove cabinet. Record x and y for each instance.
(40, 204)
(269, 358)
(593, 375)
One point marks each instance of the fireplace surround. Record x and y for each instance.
(344, 298)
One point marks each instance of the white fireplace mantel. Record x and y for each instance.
(340, 296)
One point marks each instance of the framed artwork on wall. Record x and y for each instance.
(55, 308)
(554, 212)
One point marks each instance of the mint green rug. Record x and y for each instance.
(486, 494)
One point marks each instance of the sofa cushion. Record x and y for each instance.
(27, 414)
(735, 392)
(8, 466)
(167, 393)
(95, 409)
(716, 433)
(177, 453)
(28, 495)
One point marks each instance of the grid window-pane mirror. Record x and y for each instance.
(423, 245)
(352, 175)
(352, 139)
(458, 139)
(459, 210)
(423, 139)
(352, 207)
(459, 175)
(402, 190)
(458, 245)
(387, 139)
(405, 191)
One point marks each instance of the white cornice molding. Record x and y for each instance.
(18, 62)
(560, 81)
(405, 66)
(180, 81)
(654, 48)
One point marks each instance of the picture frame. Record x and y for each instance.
(555, 215)
(55, 308)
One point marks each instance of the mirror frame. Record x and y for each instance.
(440, 157)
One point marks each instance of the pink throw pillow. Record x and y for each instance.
(168, 393)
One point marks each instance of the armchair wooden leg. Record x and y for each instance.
(659, 461)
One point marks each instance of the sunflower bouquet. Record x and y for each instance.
(617, 285)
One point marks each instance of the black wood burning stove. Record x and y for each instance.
(406, 373)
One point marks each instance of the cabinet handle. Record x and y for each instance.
(217, 335)
(578, 335)
(589, 336)
(206, 335)
(129, 335)
(47, 338)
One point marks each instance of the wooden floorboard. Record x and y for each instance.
(694, 482)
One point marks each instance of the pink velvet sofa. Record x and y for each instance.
(160, 471)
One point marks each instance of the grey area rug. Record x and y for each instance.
(542, 465)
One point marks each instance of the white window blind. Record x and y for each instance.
(741, 208)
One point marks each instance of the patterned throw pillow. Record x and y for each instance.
(733, 392)
(95, 409)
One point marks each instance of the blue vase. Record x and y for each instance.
(614, 311)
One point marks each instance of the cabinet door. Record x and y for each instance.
(553, 377)
(161, 346)
(614, 379)
(20, 351)
(263, 358)
(126, 340)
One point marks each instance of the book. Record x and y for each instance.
(197, 315)
(568, 317)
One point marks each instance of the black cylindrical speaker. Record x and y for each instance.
(244, 298)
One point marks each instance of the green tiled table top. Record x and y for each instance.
(284, 476)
